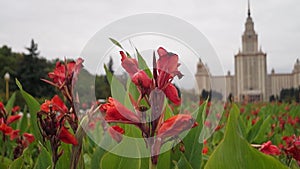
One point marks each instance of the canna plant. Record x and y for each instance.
(252, 136)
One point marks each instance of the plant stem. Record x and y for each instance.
(151, 165)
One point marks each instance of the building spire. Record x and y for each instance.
(249, 13)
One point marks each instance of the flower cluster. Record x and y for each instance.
(54, 117)
(6, 119)
(292, 147)
(152, 89)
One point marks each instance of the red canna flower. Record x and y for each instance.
(15, 109)
(175, 125)
(1, 106)
(167, 66)
(14, 134)
(138, 77)
(292, 147)
(116, 133)
(116, 112)
(63, 72)
(56, 104)
(13, 118)
(129, 64)
(205, 150)
(29, 137)
(66, 137)
(269, 149)
(169, 128)
(5, 128)
(172, 93)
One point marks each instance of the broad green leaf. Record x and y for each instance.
(5, 162)
(17, 163)
(265, 127)
(110, 160)
(44, 159)
(234, 152)
(164, 160)
(64, 161)
(116, 87)
(183, 163)
(193, 146)
(34, 107)
(96, 157)
(10, 103)
(254, 130)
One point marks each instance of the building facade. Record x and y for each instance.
(250, 81)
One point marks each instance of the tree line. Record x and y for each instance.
(30, 67)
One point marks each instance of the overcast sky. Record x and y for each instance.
(62, 28)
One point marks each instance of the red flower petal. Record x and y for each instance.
(172, 93)
(140, 78)
(15, 109)
(1, 106)
(270, 149)
(5, 128)
(14, 134)
(129, 64)
(13, 118)
(116, 133)
(175, 125)
(116, 112)
(66, 137)
(29, 137)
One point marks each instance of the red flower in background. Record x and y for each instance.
(116, 112)
(205, 150)
(29, 137)
(13, 118)
(292, 147)
(5, 128)
(116, 133)
(1, 106)
(269, 149)
(66, 137)
(15, 109)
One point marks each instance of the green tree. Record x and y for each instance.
(32, 69)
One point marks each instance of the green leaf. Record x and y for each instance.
(142, 64)
(34, 107)
(64, 161)
(164, 160)
(265, 127)
(193, 146)
(117, 88)
(10, 103)
(183, 163)
(5, 162)
(96, 157)
(110, 160)
(254, 130)
(17, 163)
(44, 159)
(116, 42)
(234, 152)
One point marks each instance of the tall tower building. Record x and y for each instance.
(250, 81)
(250, 66)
